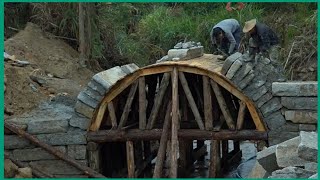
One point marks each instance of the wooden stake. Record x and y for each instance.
(223, 106)
(88, 171)
(130, 159)
(142, 103)
(191, 101)
(214, 159)
(112, 114)
(174, 126)
(127, 107)
(208, 117)
(158, 100)
(240, 119)
(163, 144)
(94, 157)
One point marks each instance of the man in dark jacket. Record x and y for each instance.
(262, 39)
(226, 36)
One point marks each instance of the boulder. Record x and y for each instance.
(258, 172)
(267, 159)
(291, 172)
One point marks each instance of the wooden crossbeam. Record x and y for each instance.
(208, 116)
(223, 106)
(191, 101)
(158, 100)
(112, 114)
(241, 113)
(127, 107)
(142, 103)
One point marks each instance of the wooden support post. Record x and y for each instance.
(174, 126)
(112, 114)
(215, 164)
(163, 144)
(158, 100)
(240, 119)
(142, 103)
(208, 116)
(94, 156)
(191, 101)
(223, 106)
(130, 159)
(127, 107)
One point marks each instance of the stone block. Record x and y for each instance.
(233, 69)
(311, 166)
(97, 87)
(77, 151)
(300, 102)
(315, 176)
(263, 99)
(259, 92)
(255, 84)
(16, 142)
(307, 127)
(267, 159)
(291, 172)
(303, 117)
(242, 72)
(295, 88)
(278, 136)
(10, 169)
(245, 81)
(129, 68)
(258, 172)
(271, 106)
(275, 120)
(54, 167)
(84, 109)
(80, 122)
(308, 147)
(35, 154)
(63, 138)
(92, 94)
(86, 99)
(46, 127)
(229, 61)
(185, 54)
(109, 77)
(25, 172)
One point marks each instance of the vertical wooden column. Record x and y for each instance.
(174, 126)
(215, 163)
(208, 117)
(130, 159)
(142, 103)
(94, 156)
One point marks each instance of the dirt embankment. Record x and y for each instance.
(54, 70)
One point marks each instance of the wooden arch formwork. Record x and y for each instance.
(159, 111)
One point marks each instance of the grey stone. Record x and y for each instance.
(244, 82)
(300, 102)
(315, 176)
(265, 61)
(35, 154)
(271, 106)
(229, 61)
(307, 127)
(263, 99)
(164, 58)
(80, 122)
(46, 127)
(255, 84)
(233, 69)
(289, 127)
(275, 120)
(84, 109)
(10, 169)
(109, 77)
(259, 92)
(258, 172)
(25, 172)
(311, 166)
(291, 172)
(278, 136)
(77, 151)
(97, 87)
(267, 159)
(55, 167)
(296, 88)
(92, 94)
(287, 153)
(308, 147)
(185, 54)
(243, 71)
(63, 138)
(16, 142)
(83, 97)
(178, 45)
(129, 68)
(305, 117)
(186, 45)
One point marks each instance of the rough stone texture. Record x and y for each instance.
(259, 92)
(307, 127)
(84, 109)
(275, 120)
(45, 127)
(244, 82)
(270, 107)
(291, 172)
(86, 99)
(256, 83)
(15, 142)
(258, 172)
(77, 151)
(229, 61)
(263, 99)
(185, 54)
(308, 147)
(109, 77)
(233, 69)
(267, 159)
(25, 172)
(315, 176)
(289, 127)
(287, 153)
(264, 61)
(300, 102)
(35, 154)
(10, 168)
(296, 88)
(311, 166)
(97, 87)
(129, 68)
(92, 94)
(63, 138)
(277, 136)
(303, 117)
(242, 72)
(80, 122)
(55, 167)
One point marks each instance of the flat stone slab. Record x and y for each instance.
(233, 69)
(311, 166)
(275, 120)
(35, 154)
(86, 99)
(291, 172)
(80, 122)
(271, 106)
(92, 94)
(242, 72)
(259, 92)
(315, 176)
(279, 135)
(64, 138)
(267, 159)
(55, 167)
(245, 81)
(307, 127)
(129, 68)
(308, 147)
(303, 117)
(185, 54)
(84, 109)
(97, 87)
(258, 172)
(295, 88)
(47, 127)
(287, 153)
(300, 102)
(109, 77)
(16, 142)
(263, 99)
(229, 61)
(77, 151)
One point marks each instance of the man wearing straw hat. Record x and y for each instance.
(226, 36)
(262, 40)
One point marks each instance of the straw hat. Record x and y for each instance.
(249, 25)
